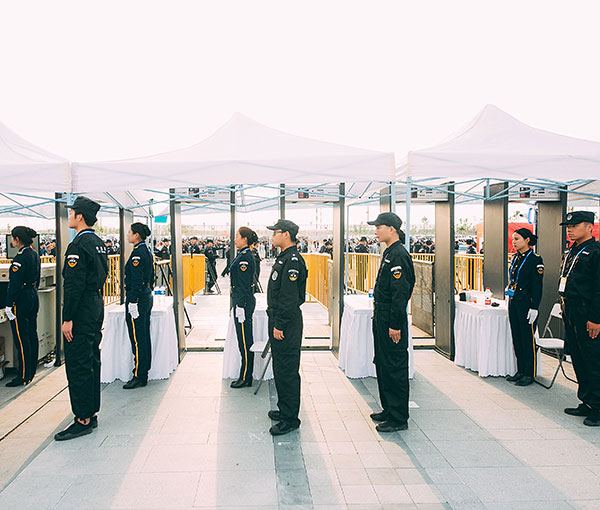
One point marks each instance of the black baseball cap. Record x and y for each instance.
(363, 238)
(387, 218)
(285, 226)
(576, 217)
(84, 205)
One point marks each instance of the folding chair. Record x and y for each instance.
(553, 344)
(265, 353)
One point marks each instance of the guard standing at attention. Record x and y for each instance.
(22, 304)
(84, 273)
(393, 289)
(524, 293)
(243, 302)
(285, 293)
(211, 265)
(139, 276)
(579, 287)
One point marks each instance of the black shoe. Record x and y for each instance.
(17, 381)
(136, 382)
(391, 426)
(94, 422)
(382, 416)
(524, 381)
(241, 384)
(282, 428)
(274, 415)
(593, 419)
(76, 429)
(514, 378)
(580, 410)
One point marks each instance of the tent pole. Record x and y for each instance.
(408, 199)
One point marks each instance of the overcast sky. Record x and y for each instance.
(116, 79)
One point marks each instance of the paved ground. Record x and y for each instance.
(191, 442)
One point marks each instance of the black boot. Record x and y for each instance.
(17, 381)
(382, 416)
(136, 382)
(76, 429)
(514, 378)
(241, 383)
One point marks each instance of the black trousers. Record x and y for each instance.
(391, 366)
(245, 340)
(211, 274)
(139, 336)
(24, 330)
(585, 352)
(286, 368)
(82, 356)
(523, 335)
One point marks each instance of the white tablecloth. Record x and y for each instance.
(483, 341)
(356, 339)
(232, 360)
(115, 351)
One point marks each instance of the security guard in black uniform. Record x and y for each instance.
(579, 287)
(22, 304)
(211, 265)
(194, 248)
(393, 289)
(362, 246)
(84, 273)
(524, 293)
(243, 302)
(139, 276)
(285, 293)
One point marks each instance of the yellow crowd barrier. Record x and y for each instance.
(193, 274)
(362, 271)
(48, 259)
(112, 286)
(468, 272)
(317, 284)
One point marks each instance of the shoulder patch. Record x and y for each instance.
(15, 266)
(243, 265)
(396, 271)
(136, 261)
(293, 274)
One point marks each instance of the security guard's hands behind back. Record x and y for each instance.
(395, 335)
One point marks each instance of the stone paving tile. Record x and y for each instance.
(472, 444)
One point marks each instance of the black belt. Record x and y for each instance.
(383, 306)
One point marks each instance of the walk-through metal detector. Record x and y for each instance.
(495, 236)
(177, 271)
(337, 285)
(125, 221)
(443, 275)
(61, 215)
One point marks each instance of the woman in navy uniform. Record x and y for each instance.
(139, 276)
(23, 304)
(524, 293)
(243, 302)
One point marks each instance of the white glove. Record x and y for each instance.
(9, 313)
(240, 314)
(532, 315)
(133, 310)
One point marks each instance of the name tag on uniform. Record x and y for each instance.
(563, 284)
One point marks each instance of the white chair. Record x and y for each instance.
(553, 344)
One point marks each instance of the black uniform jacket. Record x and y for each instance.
(24, 272)
(85, 270)
(194, 249)
(531, 274)
(139, 272)
(361, 248)
(242, 277)
(287, 287)
(394, 285)
(211, 255)
(584, 281)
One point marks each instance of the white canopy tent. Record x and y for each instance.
(496, 145)
(26, 168)
(242, 151)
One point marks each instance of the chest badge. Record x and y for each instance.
(274, 275)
